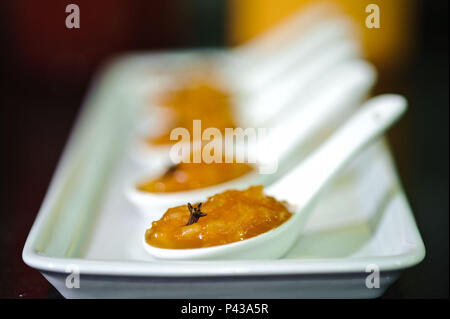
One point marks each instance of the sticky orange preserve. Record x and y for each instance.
(189, 176)
(231, 216)
(200, 101)
(197, 93)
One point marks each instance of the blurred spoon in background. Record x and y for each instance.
(261, 109)
(342, 87)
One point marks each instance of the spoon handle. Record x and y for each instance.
(259, 73)
(305, 182)
(264, 106)
(286, 30)
(343, 87)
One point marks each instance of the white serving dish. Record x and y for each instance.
(363, 219)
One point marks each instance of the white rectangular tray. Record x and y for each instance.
(362, 220)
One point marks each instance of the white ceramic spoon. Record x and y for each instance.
(242, 72)
(247, 68)
(285, 31)
(255, 110)
(262, 106)
(246, 77)
(303, 185)
(342, 88)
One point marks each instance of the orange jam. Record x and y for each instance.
(197, 94)
(231, 216)
(189, 176)
(202, 102)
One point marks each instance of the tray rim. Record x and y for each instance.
(172, 269)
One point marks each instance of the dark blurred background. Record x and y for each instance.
(47, 68)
